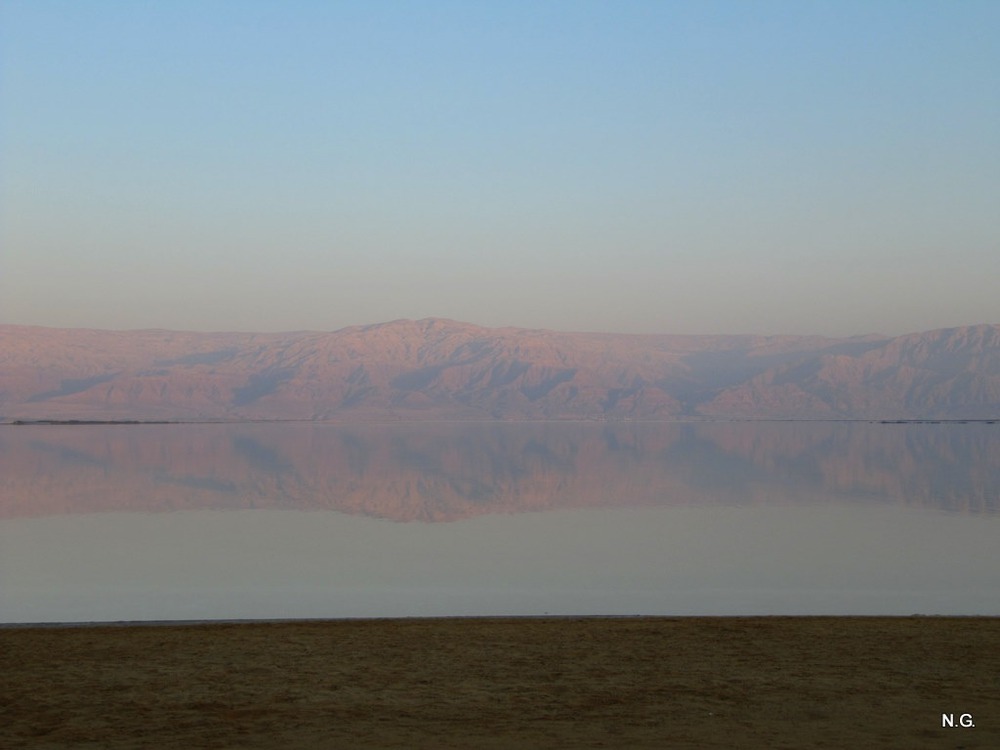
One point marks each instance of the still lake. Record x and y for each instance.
(307, 520)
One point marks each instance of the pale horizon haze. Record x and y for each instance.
(638, 167)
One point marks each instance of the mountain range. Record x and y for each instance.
(443, 369)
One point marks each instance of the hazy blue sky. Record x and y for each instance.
(677, 167)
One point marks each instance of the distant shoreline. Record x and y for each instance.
(87, 421)
(681, 420)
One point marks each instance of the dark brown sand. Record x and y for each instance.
(842, 682)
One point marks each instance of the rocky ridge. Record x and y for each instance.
(443, 369)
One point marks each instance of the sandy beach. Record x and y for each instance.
(777, 682)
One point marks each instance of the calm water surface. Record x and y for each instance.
(157, 522)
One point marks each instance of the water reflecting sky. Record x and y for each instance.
(318, 520)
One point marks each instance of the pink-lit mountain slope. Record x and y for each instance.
(437, 368)
(950, 373)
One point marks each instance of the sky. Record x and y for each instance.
(759, 167)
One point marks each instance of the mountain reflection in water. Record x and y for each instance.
(451, 471)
